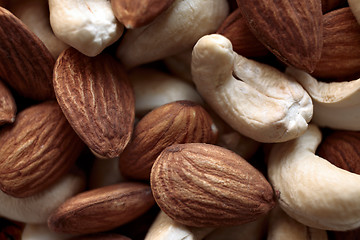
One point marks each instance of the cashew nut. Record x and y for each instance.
(87, 25)
(355, 8)
(175, 30)
(255, 99)
(336, 104)
(312, 190)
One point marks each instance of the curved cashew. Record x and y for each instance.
(336, 104)
(253, 98)
(87, 25)
(37, 208)
(312, 190)
(281, 226)
(154, 88)
(164, 228)
(42, 232)
(175, 30)
(355, 8)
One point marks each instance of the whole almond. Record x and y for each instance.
(136, 13)
(243, 40)
(97, 99)
(340, 55)
(292, 30)
(25, 63)
(175, 122)
(342, 148)
(38, 149)
(102, 209)
(7, 105)
(205, 185)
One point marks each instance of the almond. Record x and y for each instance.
(205, 185)
(340, 55)
(7, 105)
(38, 149)
(25, 63)
(175, 122)
(341, 148)
(136, 13)
(292, 30)
(243, 40)
(102, 209)
(97, 99)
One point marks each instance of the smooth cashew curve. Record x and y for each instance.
(253, 98)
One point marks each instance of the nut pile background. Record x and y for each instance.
(179, 119)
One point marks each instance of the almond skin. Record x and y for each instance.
(291, 30)
(176, 122)
(7, 105)
(204, 185)
(38, 149)
(340, 57)
(25, 63)
(102, 209)
(136, 13)
(97, 99)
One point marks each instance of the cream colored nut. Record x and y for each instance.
(175, 30)
(312, 190)
(35, 14)
(41, 232)
(255, 99)
(283, 227)
(37, 208)
(355, 8)
(255, 230)
(154, 88)
(104, 172)
(180, 65)
(87, 25)
(336, 104)
(164, 228)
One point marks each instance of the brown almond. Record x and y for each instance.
(243, 40)
(138, 13)
(102, 209)
(7, 105)
(204, 185)
(291, 30)
(38, 149)
(97, 99)
(340, 55)
(342, 148)
(175, 122)
(25, 63)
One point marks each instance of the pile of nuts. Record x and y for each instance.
(179, 119)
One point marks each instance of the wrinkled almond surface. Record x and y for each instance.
(7, 105)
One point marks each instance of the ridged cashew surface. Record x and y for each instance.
(175, 30)
(253, 98)
(312, 190)
(87, 25)
(355, 8)
(336, 104)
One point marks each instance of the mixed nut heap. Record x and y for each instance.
(179, 119)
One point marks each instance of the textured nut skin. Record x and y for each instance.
(293, 31)
(97, 99)
(25, 63)
(36, 150)
(340, 56)
(102, 209)
(204, 185)
(136, 13)
(7, 105)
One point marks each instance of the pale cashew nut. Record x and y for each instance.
(336, 104)
(175, 30)
(87, 25)
(312, 190)
(355, 8)
(255, 99)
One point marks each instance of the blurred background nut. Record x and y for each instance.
(41, 232)
(10, 229)
(88, 26)
(255, 99)
(180, 65)
(104, 172)
(328, 5)
(7, 105)
(355, 9)
(175, 30)
(336, 104)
